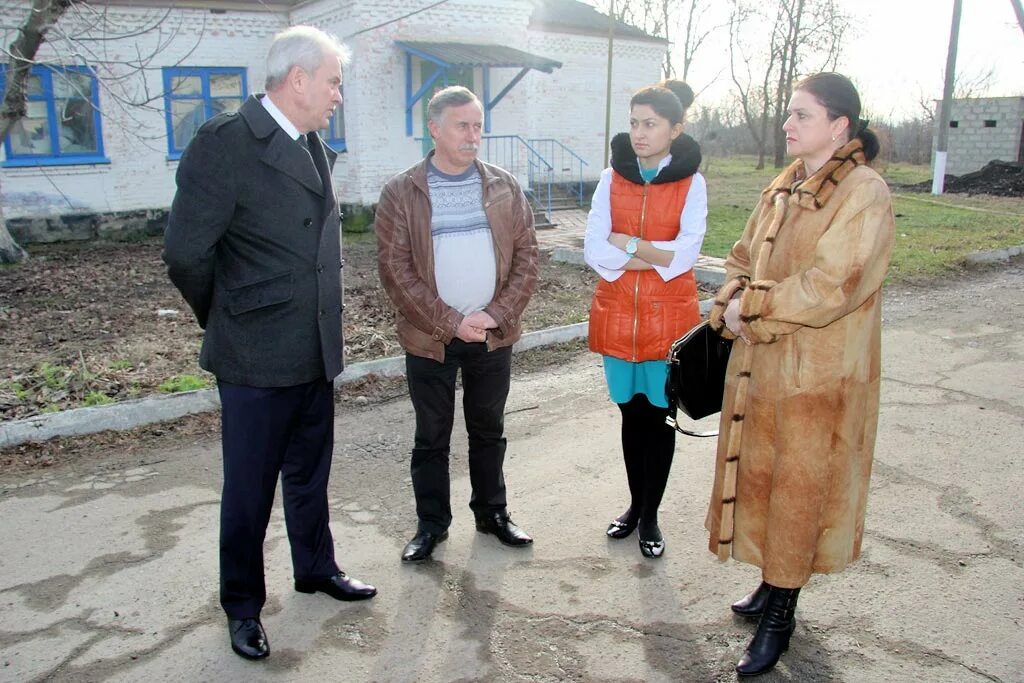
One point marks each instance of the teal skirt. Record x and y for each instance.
(626, 380)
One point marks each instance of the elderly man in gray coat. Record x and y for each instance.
(253, 244)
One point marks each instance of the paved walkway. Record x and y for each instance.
(571, 224)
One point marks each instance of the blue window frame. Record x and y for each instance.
(62, 123)
(194, 94)
(334, 134)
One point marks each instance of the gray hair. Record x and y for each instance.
(303, 46)
(452, 96)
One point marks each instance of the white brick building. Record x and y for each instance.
(67, 158)
(982, 130)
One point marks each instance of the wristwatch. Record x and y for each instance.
(631, 245)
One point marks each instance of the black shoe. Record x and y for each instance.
(623, 525)
(773, 633)
(502, 526)
(248, 639)
(653, 545)
(339, 587)
(752, 605)
(422, 545)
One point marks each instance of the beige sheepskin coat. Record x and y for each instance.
(800, 410)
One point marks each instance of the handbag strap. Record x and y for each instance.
(671, 422)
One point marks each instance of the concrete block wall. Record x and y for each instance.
(972, 145)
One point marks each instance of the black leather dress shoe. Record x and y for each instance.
(504, 528)
(422, 545)
(339, 587)
(248, 639)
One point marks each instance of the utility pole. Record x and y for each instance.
(608, 87)
(1020, 13)
(942, 144)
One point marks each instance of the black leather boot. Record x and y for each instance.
(773, 632)
(752, 604)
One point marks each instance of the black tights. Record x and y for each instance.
(648, 445)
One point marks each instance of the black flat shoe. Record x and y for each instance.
(248, 639)
(654, 545)
(339, 587)
(652, 549)
(622, 526)
(502, 526)
(752, 605)
(422, 545)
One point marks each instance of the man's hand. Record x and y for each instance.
(481, 319)
(468, 332)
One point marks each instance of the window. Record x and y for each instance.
(989, 123)
(334, 134)
(954, 124)
(62, 122)
(194, 94)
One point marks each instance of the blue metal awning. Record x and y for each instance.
(447, 55)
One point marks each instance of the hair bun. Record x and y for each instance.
(870, 141)
(680, 89)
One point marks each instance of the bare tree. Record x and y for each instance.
(82, 32)
(803, 28)
(661, 17)
(751, 78)
(802, 35)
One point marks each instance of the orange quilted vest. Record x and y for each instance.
(638, 316)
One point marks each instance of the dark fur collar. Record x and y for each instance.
(814, 192)
(685, 160)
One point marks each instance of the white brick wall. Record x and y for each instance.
(567, 105)
(134, 138)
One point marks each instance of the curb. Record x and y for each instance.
(981, 258)
(143, 411)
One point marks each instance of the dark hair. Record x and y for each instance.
(680, 89)
(838, 95)
(664, 103)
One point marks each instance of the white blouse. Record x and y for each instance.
(609, 260)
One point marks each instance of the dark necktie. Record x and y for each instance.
(304, 143)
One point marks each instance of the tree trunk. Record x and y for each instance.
(41, 17)
(10, 251)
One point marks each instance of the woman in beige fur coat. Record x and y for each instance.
(803, 295)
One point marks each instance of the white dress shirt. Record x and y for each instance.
(279, 116)
(609, 260)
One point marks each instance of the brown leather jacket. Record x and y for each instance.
(405, 260)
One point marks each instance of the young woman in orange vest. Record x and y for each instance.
(644, 233)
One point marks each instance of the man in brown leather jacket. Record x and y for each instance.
(457, 256)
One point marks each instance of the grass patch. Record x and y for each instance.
(96, 398)
(933, 235)
(121, 365)
(180, 383)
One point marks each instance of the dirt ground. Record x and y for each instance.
(88, 324)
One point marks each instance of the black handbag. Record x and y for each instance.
(697, 363)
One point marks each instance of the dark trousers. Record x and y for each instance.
(648, 445)
(266, 432)
(485, 383)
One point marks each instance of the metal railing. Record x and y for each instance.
(568, 166)
(520, 158)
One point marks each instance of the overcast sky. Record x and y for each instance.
(897, 52)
